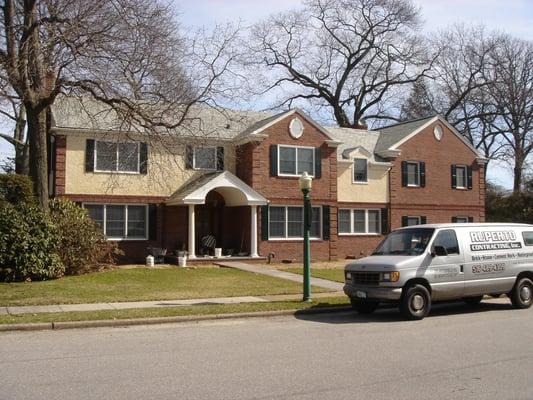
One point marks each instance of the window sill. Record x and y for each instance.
(359, 234)
(360, 183)
(205, 169)
(292, 239)
(117, 172)
(291, 176)
(111, 239)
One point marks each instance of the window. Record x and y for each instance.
(413, 174)
(116, 157)
(411, 221)
(360, 170)
(448, 240)
(287, 222)
(205, 158)
(461, 172)
(460, 220)
(296, 160)
(528, 238)
(120, 221)
(355, 221)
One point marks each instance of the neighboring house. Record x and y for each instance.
(233, 180)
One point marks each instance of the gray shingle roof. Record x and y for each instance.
(392, 134)
(202, 121)
(353, 138)
(194, 184)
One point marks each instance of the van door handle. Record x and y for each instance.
(462, 269)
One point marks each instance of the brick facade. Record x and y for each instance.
(437, 201)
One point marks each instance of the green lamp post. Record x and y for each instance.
(305, 183)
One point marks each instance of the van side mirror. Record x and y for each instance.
(439, 251)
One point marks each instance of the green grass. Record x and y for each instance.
(172, 311)
(145, 284)
(331, 274)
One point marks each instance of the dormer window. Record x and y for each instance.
(360, 170)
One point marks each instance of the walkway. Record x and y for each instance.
(155, 304)
(260, 269)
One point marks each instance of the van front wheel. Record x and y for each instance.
(416, 302)
(522, 293)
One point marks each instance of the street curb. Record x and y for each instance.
(163, 320)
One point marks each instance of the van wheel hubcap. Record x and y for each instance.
(417, 302)
(525, 293)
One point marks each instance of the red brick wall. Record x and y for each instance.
(437, 200)
(253, 167)
(60, 158)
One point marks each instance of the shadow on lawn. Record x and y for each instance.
(391, 313)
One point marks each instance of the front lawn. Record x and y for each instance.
(331, 274)
(146, 284)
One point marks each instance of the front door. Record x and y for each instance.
(208, 223)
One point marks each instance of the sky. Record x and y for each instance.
(513, 16)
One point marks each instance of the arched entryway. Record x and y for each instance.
(224, 207)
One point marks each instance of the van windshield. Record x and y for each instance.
(405, 242)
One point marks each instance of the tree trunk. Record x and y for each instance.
(517, 170)
(38, 159)
(21, 150)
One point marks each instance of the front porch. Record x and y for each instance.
(221, 218)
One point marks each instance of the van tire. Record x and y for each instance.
(473, 301)
(364, 306)
(522, 293)
(416, 302)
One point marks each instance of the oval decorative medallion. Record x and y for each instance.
(296, 128)
(437, 132)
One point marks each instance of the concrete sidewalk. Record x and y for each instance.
(259, 269)
(14, 310)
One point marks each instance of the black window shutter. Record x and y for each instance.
(273, 160)
(384, 221)
(404, 173)
(422, 174)
(318, 163)
(404, 220)
(152, 222)
(220, 158)
(470, 219)
(143, 158)
(189, 154)
(469, 177)
(264, 222)
(423, 219)
(326, 225)
(89, 155)
(454, 176)
(454, 220)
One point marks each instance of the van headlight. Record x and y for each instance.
(393, 276)
(348, 276)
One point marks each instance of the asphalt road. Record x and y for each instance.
(453, 354)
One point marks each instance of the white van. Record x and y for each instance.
(416, 265)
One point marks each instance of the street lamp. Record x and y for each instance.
(305, 183)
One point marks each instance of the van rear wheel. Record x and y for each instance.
(364, 306)
(522, 293)
(416, 302)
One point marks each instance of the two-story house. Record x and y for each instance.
(230, 180)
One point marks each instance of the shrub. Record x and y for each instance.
(83, 246)
(28, 244)
(16, 189)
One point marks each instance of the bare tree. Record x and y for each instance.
(13, 113)
(512, 95)
(344, 56)
(128, 54)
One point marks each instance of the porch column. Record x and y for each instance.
(253, 232)
(192, 232)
